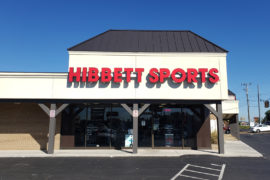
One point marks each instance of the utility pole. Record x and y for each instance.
(259, 108)
(246, 89)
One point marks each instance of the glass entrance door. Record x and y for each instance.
(121, 127)
(169, 125)
(97, 131)
(145, 129)
(92, 127)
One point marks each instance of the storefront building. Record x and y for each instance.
(123, 89)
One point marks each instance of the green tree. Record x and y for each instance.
(266, 117)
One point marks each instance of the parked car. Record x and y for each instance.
(260, 128)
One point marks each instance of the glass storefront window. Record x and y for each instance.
(98, 125)
(79, 122)
(111, 126)
(193, 122)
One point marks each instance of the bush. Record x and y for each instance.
(244, 127)
(214, 137)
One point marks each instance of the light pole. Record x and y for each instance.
(259, 107)
(246, 89)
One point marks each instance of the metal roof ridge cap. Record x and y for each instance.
(223, 54)
(148, 30)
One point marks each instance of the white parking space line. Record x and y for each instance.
(222, 172)
(193, 177)
(182, 170)
(216, 165)
(200, 172)
(205, 168)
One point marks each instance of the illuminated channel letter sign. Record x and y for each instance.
(155, 75)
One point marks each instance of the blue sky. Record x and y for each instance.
(35, 35)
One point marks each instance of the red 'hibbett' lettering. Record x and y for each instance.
(93, 75)
(139, 73)
(106, 75)
(117, 77)
(128, 72)
(71, 74)
(84, 72)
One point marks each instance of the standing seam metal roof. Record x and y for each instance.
(148, 41)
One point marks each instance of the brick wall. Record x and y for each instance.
(25, 126)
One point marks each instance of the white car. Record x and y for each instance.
(260, 128)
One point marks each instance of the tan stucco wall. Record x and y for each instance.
(25, 126)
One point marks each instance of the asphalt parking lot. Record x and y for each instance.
(129, 168)
(145, 168)
(259, 141)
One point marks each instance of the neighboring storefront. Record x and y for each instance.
(124, 89)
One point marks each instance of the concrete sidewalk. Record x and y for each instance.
(239, 149)
(232, 149)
